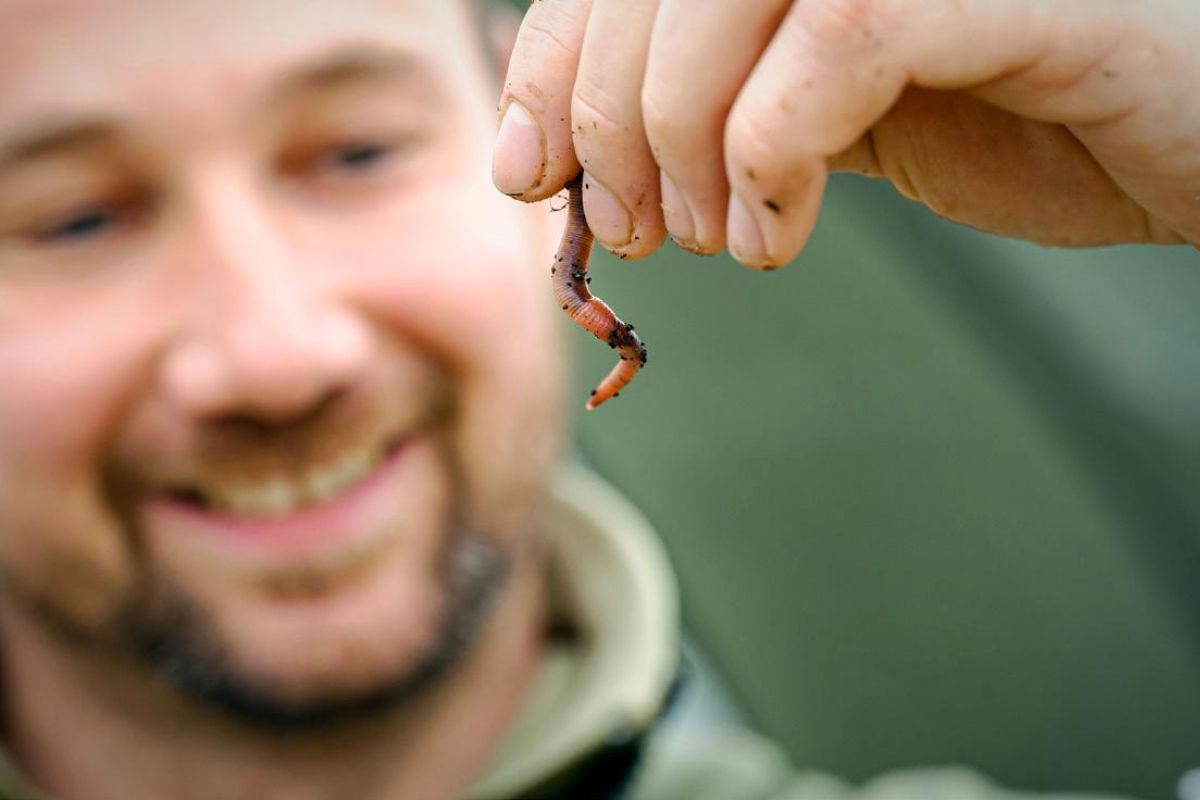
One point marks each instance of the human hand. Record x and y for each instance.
(1074, 122)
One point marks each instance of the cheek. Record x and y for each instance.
(467, 272)
(72, 358)
(58, 397)
(67, 377)
(467, 277)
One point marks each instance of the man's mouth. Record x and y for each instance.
(281, 495)
(330, 513)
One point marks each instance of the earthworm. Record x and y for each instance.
(570, 279)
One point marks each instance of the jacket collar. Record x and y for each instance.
(606, 677)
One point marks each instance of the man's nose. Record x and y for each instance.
(267, 338)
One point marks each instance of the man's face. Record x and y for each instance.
(279, 379)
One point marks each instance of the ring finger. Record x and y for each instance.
(700, 55)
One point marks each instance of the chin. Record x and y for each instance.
(361, 648)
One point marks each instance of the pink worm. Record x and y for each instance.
(570, 278)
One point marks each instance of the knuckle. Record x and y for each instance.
(752, 141)
(947, 193)
(539, 37)
(668, 127)
(835, 20)
(594, 109)
(613, 141)
(553, 26)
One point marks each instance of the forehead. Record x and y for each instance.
(65, 56)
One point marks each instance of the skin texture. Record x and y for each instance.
(231, 251)
(1069, 123)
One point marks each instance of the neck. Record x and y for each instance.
(86, 729)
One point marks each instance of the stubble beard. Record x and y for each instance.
(173, 638)
(180, 647)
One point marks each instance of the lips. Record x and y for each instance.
(282, 495)
(334, 512)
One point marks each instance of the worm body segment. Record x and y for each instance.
(570, 279)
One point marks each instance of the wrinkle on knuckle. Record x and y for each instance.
(752, 143)
(944, 198)
(896, 171)
(919, 175)
(835, 21)
(592, 108)
(538, 31)
(668, 127)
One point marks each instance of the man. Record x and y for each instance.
(280, 506)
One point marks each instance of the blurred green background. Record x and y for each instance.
(933, 496)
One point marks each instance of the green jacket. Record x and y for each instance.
(607, 689)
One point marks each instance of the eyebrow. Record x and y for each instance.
(56, 136)
(353, 64)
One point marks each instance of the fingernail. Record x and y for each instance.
(676, 214)
(746, 240)
(519, 158)
(606, 215)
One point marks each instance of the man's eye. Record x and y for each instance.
(349, 163)
(358, 157)
(84, 224)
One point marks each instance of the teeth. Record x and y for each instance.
(323, 485)
(349, 470)
(283, 495)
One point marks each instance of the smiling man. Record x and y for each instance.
(272, 439)
(278, 510)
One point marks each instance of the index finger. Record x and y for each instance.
(534, 156)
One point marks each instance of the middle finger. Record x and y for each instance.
(700, 55)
